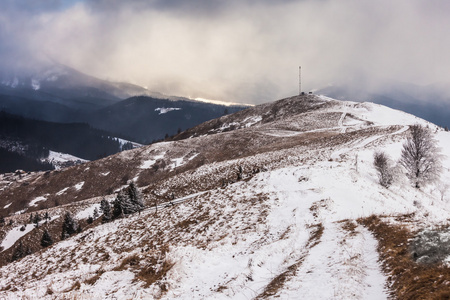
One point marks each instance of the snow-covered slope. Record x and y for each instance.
(290, 228)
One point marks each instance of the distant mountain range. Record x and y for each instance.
(58, 93)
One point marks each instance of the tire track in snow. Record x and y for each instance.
(278, 282)
(344, 265)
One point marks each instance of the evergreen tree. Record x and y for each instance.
(135, 198)
(90, 220)
(2, 220)
(46, 239)
(95, 215)
(106, 209)
(127, 202)
(69, 226)
(46, 216)
(31, 218)
(118, 206)
(37, 219)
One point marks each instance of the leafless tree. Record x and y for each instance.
(381, 163)
(421, 157)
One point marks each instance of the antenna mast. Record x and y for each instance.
(299, 80)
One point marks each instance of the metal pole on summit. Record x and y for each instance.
(299, 80)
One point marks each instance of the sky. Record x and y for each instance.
(244, 51)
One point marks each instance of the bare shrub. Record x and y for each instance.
(381, 164)
(421, 157)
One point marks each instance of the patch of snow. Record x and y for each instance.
(105, 173)
(150, 162)
(177, 162)
(164, 110)
(84, 214)
(7, 205)
(79, 185)
(226, 126)
(36, 200)
(62, 191)
(20, 211)
(193, 156)
(15, 234)
(58, 159)
(251, 121)
(282, 133)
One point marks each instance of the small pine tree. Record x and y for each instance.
(46, 239)
(128, 201)
(90, 220)
(2, 220)
(239, 173)
(37, 219)
(95, 214)
(118, 205)
(106, 209)
(69, 226)
(135, 197)
(31, 218)
(46, 216)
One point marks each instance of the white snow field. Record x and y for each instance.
(288, 232)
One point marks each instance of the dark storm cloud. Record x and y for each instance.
(235, 50)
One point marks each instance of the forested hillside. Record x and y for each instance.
(31, 140)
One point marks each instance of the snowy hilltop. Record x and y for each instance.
(280, 200)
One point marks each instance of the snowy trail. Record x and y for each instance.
(364, 143)
(342, 266)
(341, 120)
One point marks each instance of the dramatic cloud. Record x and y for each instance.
(246, 51)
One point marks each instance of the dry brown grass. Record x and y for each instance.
(129, 261)
(153, 272)
(408, 279)
(349, 226)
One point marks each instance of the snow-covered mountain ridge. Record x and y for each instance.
(290, 225)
